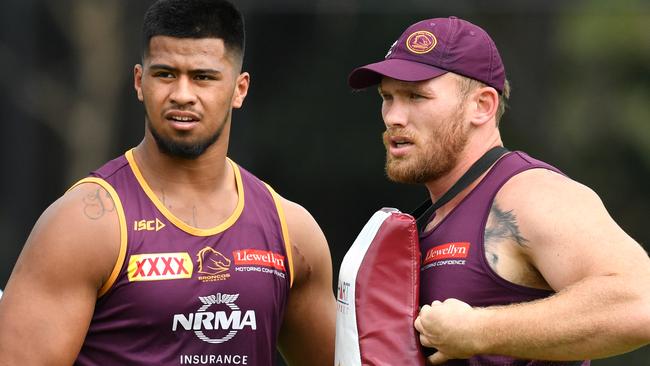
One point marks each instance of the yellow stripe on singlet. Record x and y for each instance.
(123, 233)
(285, 231)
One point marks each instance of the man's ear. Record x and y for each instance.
(241, 89)
(484, 103)
(137, 81)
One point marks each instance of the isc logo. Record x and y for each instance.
(148, 225)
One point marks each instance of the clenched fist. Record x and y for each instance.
(450, 327)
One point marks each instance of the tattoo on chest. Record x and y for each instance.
(190, 221)
(164, 199)
(97, 203)
(501, 226)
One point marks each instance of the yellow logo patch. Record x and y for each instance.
(160, 266)
(421, 42)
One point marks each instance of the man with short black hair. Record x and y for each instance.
(173, 254)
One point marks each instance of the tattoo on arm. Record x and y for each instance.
(491, 255)
(97, 203)
(502, 225)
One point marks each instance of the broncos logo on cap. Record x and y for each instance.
(421, 42)
(211, 261)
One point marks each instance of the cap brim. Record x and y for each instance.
(395, 68)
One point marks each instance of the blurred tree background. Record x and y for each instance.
(580, 72)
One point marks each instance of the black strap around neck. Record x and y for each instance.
(424, 211)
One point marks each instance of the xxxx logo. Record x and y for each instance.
(159, 266)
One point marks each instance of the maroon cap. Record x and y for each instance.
(432, 47)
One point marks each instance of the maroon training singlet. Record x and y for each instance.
(454, 263)
(180, 295)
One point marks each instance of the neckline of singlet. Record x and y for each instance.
(428, 233)
(180, 223)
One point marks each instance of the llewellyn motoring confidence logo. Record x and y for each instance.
(256, 260)
(217, 320)
(446, 254)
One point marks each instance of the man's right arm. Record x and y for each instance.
(600, 274)
(308, 330)
(50, 297)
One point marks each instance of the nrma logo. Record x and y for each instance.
(219, 321)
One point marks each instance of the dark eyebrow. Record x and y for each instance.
(162, 67)
(194, 71)
(205, 71)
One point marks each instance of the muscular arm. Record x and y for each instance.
(307, 335)
(50, 296)
(601, 275)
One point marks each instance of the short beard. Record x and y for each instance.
(185, 150)
(438, 159)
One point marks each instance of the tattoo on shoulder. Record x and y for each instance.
(503, 225)
(98, 203)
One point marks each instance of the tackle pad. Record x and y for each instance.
(377, 295)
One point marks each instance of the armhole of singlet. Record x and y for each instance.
(123, 234)
(285, 231)
(491, 272)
